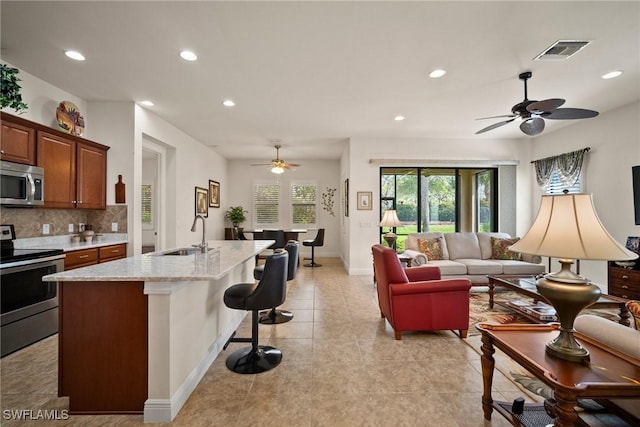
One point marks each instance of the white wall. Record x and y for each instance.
(122, 126)
(614, 138)
(326, 173)
(365, 176)
(43, 99)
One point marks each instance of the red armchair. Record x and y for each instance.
(416, 299)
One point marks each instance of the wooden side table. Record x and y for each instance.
(608, 373)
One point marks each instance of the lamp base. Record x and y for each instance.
(390, 238)
(568, 295)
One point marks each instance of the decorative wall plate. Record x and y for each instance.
(69, 118)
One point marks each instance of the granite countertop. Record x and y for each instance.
(64, 242)
(223, 255)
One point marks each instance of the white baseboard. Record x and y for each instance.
(165, 410)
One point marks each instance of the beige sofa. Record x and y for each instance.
(619, 337)
(469, 255)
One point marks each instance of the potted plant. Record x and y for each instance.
(10, 93)
(235, 215)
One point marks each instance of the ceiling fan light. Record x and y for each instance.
(277, 169)
(532, 126)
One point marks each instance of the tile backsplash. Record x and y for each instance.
(29, 221)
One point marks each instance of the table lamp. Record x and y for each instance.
(390, 219)
(567, 227)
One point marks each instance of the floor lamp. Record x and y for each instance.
(390, 219)
(567, 227)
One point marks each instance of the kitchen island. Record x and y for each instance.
(136, 335)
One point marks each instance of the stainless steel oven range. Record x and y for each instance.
(29, 306)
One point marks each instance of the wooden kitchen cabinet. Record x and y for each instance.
(91, 256)
(624, 282)
(113, 252)
(75, 172)
(80, 258)
(18, 142)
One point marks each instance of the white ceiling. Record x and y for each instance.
(314, 74)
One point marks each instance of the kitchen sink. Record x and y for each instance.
(182, 252)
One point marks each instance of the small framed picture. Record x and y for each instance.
(633, 244)
(346, 197)
(202, 207)
(214, 194)
(365, 200)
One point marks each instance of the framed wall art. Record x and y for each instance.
(364, 200)
(346, 197)
(214, 194)
(201, 205)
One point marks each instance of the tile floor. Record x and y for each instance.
(341, 367)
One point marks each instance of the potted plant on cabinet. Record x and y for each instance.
(235, 215)
(10, 93)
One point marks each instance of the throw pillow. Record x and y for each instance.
(500, 249)
(634, 309)
(432, 248)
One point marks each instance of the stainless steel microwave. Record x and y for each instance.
(21, 185)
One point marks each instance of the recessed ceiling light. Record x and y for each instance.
(612, 74)
(228, 103)
(398, 118)
(74, 55)
(437, 73)
(187, 55)
(147, 103)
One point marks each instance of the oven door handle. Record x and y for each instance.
(32, 261)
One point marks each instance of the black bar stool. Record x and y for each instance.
(269, 292)
(318, 241)
(275, 316)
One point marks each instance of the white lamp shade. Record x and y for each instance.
(567, 226)
(390, 219)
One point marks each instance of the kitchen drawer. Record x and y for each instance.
(80, 258)
(110, 253)
(624, 282)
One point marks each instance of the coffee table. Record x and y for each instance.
(526, 285)
(608, 373)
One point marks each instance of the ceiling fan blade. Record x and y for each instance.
(546, 106)
(291, 165)
(495, 125)
(571, 114)
(532, 126)
(260, 164)
(497, 117)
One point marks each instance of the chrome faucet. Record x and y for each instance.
(203, 245)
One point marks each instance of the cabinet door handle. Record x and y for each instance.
(1, 151)
(115, 251)
(625, 287)
(625, 296)
(83, 256)
(625, 277)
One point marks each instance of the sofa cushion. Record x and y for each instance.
(448, 267)
(613, 334)
(634, 309)
(432, 248)
(500, 248)
(412, 242)
(519, 268)
(480, 266)
(463, 246)
(484, 239)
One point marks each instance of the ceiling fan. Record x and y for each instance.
(533, 113)
(278, 166)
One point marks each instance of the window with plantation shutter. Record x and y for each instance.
(303, 203)
(266, 203)
(147, 206)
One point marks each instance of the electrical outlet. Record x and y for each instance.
(114, 226)
(45, 229)
(70, 228)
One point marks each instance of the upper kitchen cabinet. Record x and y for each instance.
(18, 143)
(75, 172)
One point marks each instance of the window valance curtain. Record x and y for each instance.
(567, 167)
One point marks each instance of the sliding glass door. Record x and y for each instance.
(439, 200)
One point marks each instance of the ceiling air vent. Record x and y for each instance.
(562, 49)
